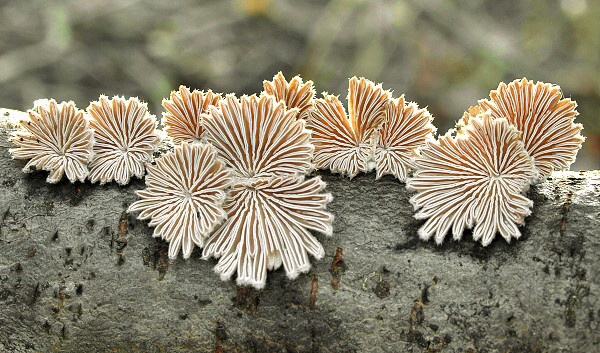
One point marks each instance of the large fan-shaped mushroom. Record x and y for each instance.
(271, 208)
(476, 179)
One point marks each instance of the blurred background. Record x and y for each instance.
(444, 54)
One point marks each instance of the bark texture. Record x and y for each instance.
(77, 274)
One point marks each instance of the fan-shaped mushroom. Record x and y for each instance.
(405, 130)
(55, 137)
(182, 119)
(269, 223)
(295, 94)
(125, 138)
(474, 180)
(183, 198)
(344, 143)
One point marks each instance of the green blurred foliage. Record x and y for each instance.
(442, 54)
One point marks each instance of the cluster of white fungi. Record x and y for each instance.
(235, 181)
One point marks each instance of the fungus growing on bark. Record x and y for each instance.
(405, 130)
(182, 120)
(259, 137)
(55, 137)
(125, 138)
(184, 195)
(271, 208)
(545, 119)
(268, 225)
(295, 94)
(474, 180)
(344, 143)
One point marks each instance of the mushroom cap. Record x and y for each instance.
(184, 194)
(125, 139)
(295, 93)
(269, 222)
(259, 137)
(182, 120)
(345, 143)
(406, 129)
(56, 137)
(544, 117)
(474, 180)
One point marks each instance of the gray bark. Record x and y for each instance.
(77, 274)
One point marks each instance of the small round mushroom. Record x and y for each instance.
(474, 180)
(182, 119)
(183, 198)
(406, 129)
(295, 93)
(344, 143)
(125, 139)
(55, 137)
(268, 225)
(544, 117)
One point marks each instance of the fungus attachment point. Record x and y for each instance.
(124, 139)
(268, 225)
(183, 116)
(474, 180)
(55, 137)
(183, 198)
(405, 130)
(544, 117)
(344, 143)
(295, 94)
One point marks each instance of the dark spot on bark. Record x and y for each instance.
(18, 268)
(9, 183)
(204, 302)
(46, 326)
(68, 251)
(55, 236)
(425, 294)
(338, 267)
(417, 313)
(157, 257)
(246, 298)
(382, 289)
(31, 252)
(220, 332)
(573, 302)
(314, 287)
(183, 316)
(90, 224)
(120, 260)
(35, 293)
(79, 289)
(546, 269)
